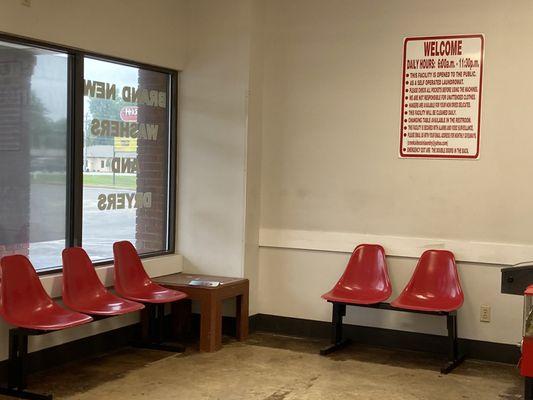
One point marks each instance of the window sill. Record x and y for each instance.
(155, 266)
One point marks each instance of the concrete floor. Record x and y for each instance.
(270, 367)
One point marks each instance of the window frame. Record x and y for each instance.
(74, 151)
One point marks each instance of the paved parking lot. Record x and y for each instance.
(100, 228)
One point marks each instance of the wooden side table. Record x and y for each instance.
(210, 299)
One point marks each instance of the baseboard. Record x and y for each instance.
(122, 337)
(476, 349)
(99, 344)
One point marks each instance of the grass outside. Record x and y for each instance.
(93, 180)
(121, 181)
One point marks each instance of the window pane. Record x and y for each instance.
(33, 143)
(125, 179)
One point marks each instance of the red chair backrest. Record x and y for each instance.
(21, 291)
(436, 275)
(80, 280)
(367, 269)
(129, 271)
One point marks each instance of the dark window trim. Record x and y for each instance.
(103, 263)
(73, 231)
(76, 156)
(24, 40)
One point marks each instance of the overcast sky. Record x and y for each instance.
(49, 80)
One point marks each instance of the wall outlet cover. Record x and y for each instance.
(484, 314)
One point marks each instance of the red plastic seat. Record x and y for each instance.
(24, 302)
(365, 280)
(84, 292)
(132, 281)
(434, 285)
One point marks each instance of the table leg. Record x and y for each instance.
(210, 324)
(242, 316)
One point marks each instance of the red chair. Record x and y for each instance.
(364, 282)
(83, 291)
(25, 304)
(434, 285)
(435, 289)
(132, 282)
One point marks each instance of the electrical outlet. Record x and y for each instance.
(484, 315)
(26, 3)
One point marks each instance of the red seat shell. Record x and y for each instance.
(132, 281)
(365, 280)
(84, 292)
(434, 286)
(24, 302)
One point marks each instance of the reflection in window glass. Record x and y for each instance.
(125, 179)
(33, 143)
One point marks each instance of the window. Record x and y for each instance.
(33, 146)
(86, 153)
(126, 123)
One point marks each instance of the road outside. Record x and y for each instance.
(100, 228)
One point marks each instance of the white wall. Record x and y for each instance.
(331, 113)
(144, 31)
(331, 110)
(253, 153)
(212, 148)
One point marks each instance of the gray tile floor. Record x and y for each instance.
(270, 367)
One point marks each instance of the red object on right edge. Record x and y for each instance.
(132, 281)
(526, 360)
(365, 280)
(434, 285)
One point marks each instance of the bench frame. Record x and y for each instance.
(455, 358)
(18, 365)
(152, 328)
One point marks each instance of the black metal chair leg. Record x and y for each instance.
(160, 323)
(528, 388)
(339, 311)
(13, 359)
(22, 361)
(18, 368)
(454, 358)
(337, 341)
(152, 315)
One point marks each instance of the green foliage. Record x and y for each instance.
(101, 109)
(106, 109)
(89, 180)
(45, 133)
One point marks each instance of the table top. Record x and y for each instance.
(184, 279)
